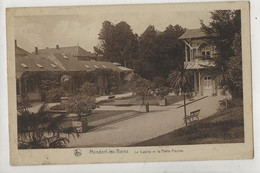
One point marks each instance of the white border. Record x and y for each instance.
(195, 166)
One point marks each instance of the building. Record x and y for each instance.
(76, 51)
(51, 64)
(196, 46)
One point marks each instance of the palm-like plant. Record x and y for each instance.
(180, 80)
(42, 129)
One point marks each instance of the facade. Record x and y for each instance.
(51, 64)
(195, 47)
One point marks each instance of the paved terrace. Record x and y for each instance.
(159, 121)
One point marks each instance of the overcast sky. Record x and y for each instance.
(70, 30)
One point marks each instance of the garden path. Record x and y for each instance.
(144, 127)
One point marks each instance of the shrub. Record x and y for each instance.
(81, 104)
(89, 89)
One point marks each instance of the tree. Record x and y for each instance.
(147, 56)
(118, 43)
(224, 32)
(161, 86)
(170, 50)
(159, 52)
(141, 87)
(180, 80)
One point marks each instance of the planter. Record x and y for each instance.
(144, 108)
(84, 123)
(163, 102)
(72, 120)
(74, 124)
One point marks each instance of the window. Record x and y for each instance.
(96, 66)
(87, 66)
(24, 65)
(39, 65)
(29, 85)
(207, 82)
(53, 65)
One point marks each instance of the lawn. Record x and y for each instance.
(100, 118)
(226, 126)
(136, 100)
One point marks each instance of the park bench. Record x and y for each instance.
(193, 114)
(111, 97)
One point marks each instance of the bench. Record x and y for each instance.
(111, 97)
(193, 114)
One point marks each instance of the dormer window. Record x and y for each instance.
(53, 65)
(24, 65)
(39, 65)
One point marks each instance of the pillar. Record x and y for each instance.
(195, 81)
(199, 85)
(186, 54)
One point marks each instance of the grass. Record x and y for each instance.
(136, 100)
(226, 126)
(100, 114)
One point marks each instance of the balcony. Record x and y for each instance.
(197, 64)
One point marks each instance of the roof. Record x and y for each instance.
(34, 63)
(20, 51)
(61, 62)
(70, 63)
(193, 33)
(72, 50)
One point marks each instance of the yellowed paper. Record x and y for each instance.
(100, 152)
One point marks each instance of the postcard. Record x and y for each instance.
(129, 83)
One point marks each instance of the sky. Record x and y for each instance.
(70, 30)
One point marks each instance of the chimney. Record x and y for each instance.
(57, 46)
(36, 50)
(15, 43)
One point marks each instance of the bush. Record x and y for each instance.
(89, 89)
(81, 104)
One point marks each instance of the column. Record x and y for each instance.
(186, 56)
(199, 84)
(195, 82)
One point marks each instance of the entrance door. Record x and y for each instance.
(207, 86)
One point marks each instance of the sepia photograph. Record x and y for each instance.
(127, 80)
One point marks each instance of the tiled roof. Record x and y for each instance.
(49, 61)
(21, 52)
(70, 63)
(193, 33)
(71, 50)
(34, 63)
